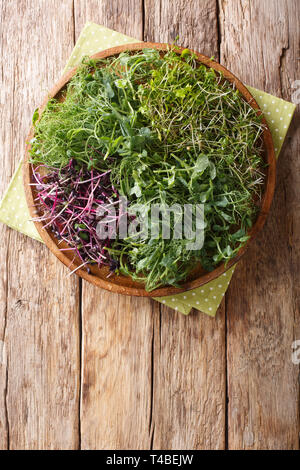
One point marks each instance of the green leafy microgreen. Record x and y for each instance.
(172, 132)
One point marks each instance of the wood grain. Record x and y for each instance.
(125, 16)
(39, 303)
(261, 304)
(117, 331)
(6, 112)
(189, 352)
(150, 378)
(116, 382)
(188, 381)
(290, 165)
(194, 22)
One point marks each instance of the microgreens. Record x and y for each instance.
(169, 131)
(68, 200)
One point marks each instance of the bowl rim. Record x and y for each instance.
(134, 288)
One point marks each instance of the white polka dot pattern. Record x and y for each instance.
(95, 38)
(13, 207)
(206, 298)
(278, 114)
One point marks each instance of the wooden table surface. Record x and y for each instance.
(84, 368)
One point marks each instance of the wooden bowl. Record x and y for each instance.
(122, 284)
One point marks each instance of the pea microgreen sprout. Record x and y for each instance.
(168, 131)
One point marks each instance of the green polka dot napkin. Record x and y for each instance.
(13, 207)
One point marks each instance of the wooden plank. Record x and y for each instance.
(189, 352)
(151, 378)
(195, 23)
(39, 303)
(6, 111)
(259, 43)
(125, 16)
(116, 382)
(189, 381)
(117, 330)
